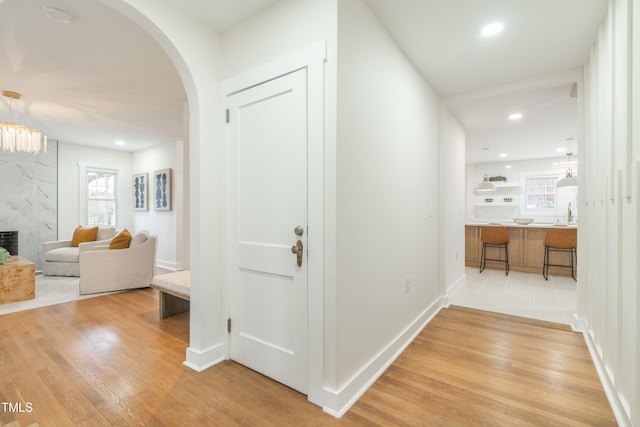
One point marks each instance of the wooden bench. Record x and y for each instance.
(174, 291)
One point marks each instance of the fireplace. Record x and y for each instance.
(9, 241)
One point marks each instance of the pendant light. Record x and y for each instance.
(486, 185)
(569, 180)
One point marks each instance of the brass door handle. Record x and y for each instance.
(298, 249)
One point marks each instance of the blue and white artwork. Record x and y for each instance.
(140, 192)
(162, 182)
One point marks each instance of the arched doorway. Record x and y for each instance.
(193, 48)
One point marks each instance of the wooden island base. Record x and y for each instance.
(526, 251)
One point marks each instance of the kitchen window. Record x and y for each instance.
(540, 193)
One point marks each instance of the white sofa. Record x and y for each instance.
(104, 270)
(60, 259)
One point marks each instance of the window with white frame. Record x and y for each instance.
(540, 193)
(101, 196)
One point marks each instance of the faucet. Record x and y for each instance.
(569, 214)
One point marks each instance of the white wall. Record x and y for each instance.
(520, 169)
(69, 156)
(452, 200)
(609, 232)
(387, 198)
(285, 27)
(380, 199)
(161, 223)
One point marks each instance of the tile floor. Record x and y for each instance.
(519, 294)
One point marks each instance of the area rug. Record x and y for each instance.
(50, 290)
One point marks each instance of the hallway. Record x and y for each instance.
(519, 294)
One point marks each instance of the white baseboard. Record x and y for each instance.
(620, 410)
(168, 265)
(201, 360)
(341, 400)
(579, 324)
(459, 282)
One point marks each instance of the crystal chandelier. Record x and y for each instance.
(16, 137)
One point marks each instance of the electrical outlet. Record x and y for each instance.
(407, 285)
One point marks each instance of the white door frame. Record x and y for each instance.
(312, 59)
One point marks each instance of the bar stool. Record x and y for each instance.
(560, 240)
(494, 237)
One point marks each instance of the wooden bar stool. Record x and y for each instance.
(560, 240)
(494, 237)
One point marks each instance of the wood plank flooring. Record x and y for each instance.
(111, 361)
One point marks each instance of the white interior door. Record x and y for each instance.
(267, 166)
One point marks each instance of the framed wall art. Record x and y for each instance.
(162, 190)
(140, 192)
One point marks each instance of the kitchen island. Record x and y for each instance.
(526, 248)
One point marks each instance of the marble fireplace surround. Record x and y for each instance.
(29, 199)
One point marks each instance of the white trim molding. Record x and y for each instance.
(342, 400)
(620, 409)
(201, 360)
(312, 59)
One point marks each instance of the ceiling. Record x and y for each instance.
(101, 78)
(528, 68)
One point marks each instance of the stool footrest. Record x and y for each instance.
(484, 259)
(547, 264)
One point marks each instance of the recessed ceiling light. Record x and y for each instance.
(515, 116)
(561, 149)
(492, 29)
(120, 143)
(507, 166)
(57, 14)
(502, 155)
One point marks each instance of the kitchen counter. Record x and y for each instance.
(526, 248)
(534, 224)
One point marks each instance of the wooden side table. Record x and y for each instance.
(17, 280)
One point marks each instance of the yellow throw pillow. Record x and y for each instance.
(84, 234)
(121, 241)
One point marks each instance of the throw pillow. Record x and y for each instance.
(121, 241)
(83, 234)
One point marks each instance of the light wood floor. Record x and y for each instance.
(111, 361)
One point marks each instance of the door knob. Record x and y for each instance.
(299, 230)
(298, 249)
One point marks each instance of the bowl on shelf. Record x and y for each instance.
(523, 221)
